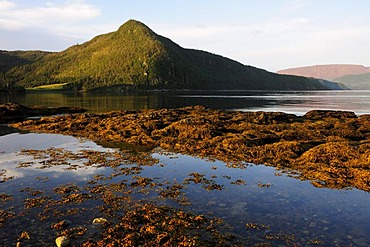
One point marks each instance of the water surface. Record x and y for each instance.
(257, 194)
(263, 195)
(298, 102)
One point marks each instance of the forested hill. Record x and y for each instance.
(135, 57)
(11, 59)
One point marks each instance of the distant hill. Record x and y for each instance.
(134, 57)
(350, 76)
(356, 82)
(328, 72)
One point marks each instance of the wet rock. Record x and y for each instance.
(312, 224)
(62, 241)
(360, 242)
(99, 221)
(321, 114)
(330, 148)
(61, 225)
(14, 112)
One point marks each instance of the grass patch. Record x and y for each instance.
(57, 86)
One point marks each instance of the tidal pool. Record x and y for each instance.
(47, 178)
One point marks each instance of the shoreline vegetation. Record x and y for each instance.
(329, 148)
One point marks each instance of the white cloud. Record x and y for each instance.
(276, 44)
(8, 24)
(5, 5)
(50, 16)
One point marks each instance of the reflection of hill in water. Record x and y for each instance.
(291, 102)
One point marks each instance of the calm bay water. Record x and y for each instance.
(291, 208)
(291, 102)
(314, 216)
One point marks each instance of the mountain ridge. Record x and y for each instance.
(326, 71)
(355, 82)
(135, 57)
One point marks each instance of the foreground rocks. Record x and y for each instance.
(330, 148)
(13, 112)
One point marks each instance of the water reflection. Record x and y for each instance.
(263, 195)
(292, 102)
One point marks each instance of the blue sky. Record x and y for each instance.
(269, 34)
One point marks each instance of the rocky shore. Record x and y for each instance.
(13, 112)
(330, 148)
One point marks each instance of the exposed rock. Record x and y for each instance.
(13, 112)
(331, 148)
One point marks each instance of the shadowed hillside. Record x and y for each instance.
(356, 82)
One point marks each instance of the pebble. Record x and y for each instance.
(312, 224)
(62, 241)
(99, 221)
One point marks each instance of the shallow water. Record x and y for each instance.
(256, 194)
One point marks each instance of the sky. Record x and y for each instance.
(268, 34)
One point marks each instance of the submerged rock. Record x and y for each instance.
(99, 221)
(62, 241)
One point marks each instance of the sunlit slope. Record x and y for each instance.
(134, 57)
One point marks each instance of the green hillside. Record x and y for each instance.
(134, 57)
(12, 59)
(355, 82)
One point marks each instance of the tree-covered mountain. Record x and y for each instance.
(11, 59)
(135, 57)
(356, 82)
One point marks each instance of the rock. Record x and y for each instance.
(62, 241)
(99, 221)
(14, 112)
(307, 146)
(312, 224)
(61, 225)
(360, 242)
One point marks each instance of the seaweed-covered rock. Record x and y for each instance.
(334, 140)
(14, 112)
